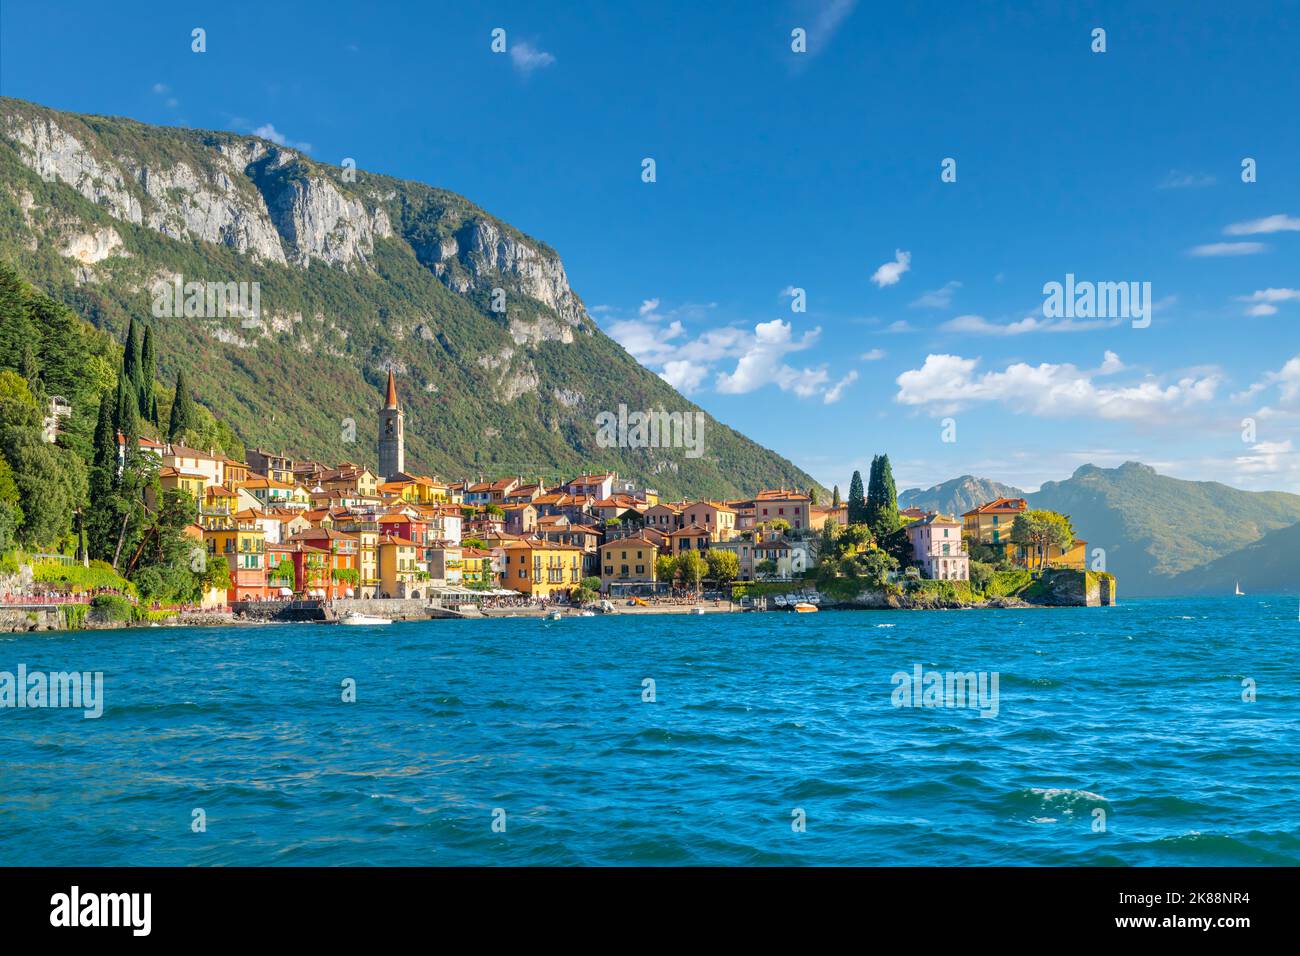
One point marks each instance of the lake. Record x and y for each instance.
(1120, 737)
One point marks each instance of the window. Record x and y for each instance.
(623, 570)
(640, 569)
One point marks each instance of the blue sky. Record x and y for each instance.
(777, 170)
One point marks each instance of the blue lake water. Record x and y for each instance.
(1135, 710)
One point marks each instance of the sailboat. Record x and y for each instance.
(1239, 592)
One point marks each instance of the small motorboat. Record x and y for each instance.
(779, 600)
(804, 607)
(554, 615)
(357, 619)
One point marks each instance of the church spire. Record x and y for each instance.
(391, 401)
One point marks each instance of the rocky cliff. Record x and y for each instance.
(502, 369)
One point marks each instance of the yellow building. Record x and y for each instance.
(417, 489)
(190, 482)
(991, 524)
(241, 543)
(399, 570)
(476, 568)
(540, 569)
(627, 560)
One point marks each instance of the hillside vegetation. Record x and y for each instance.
(355, 277)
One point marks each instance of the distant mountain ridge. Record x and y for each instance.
(501, 369)
(1268, 566)
(958, 495)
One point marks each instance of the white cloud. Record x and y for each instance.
(937, 298)
(683, 374)
(1278, 223)
(834, 393)
(946, 383)
(161, 89)
(527, 58)
(872, 355)
(978, 325)
(830, 16)
(268, 131)
(1177, 179)
(1286, 380)
(1227, 249)
(1263, 300)
(902, 325)
(889, 273)
(1268, 458)
(659, 341)
(761, 362)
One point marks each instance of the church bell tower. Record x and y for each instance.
(392, 442)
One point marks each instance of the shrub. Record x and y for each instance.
(113, 607)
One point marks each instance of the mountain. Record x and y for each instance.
(1154, 528)
(957, 496)
(1266, 566)
(355, 273)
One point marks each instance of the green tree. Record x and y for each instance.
(1040, 531)
(724, 566)
(882, 499)
(148, 367)
(857, 500)
(692, 568)
(665, 568)
(835, 497)
(182, 415)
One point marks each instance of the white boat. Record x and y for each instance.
(779, 600)
(697, 610)
(1239, 592)
(357, 619)
(554, 615)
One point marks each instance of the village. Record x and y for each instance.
(290, 533)
(294, 529)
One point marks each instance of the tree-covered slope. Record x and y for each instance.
(356, 276)
(1267, 566)
(1154, 527)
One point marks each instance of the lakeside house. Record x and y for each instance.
(990, 524)
(937, 547)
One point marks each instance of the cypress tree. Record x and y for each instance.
(148, 363)
(131, 360)
(857, 503)
(835, 497)
(882, 499)
(102, 512)
(182, 416)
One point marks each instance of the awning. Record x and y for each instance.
(286, 592)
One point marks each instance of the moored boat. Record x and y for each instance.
(356, 619)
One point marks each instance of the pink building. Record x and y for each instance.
(937, 548)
